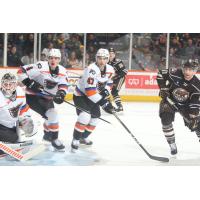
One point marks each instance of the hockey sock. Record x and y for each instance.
(169, 133)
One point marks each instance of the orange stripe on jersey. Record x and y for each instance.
(90, 128)
(23, 110)
(20, 97)
(90, 92)
(80, 127)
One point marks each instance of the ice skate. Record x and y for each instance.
(58, 146)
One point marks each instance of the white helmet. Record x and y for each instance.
(54, 53)
(102, 53)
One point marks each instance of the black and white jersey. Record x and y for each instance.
(186, 94)
(119, 67)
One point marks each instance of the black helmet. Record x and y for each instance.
(191, 63)
(111, 50)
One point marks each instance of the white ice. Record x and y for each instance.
(112, 144)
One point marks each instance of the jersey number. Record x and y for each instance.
(39, 66)
(90, 81)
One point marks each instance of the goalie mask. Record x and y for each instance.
(9, 85)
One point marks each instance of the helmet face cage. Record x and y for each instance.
(192, 64)
(8, 84)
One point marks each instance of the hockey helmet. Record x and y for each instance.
(102, 53)
(8, 84)
(111, 50)
(54, 53)
(193, 64)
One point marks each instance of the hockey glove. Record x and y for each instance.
(33, 85)
(193, 124)
(164, 93)
(106, 106)
(59, 97)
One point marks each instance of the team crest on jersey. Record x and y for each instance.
(92, 72)
(180, 94)
(49, 84)
(14, 111)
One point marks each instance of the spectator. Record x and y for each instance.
(28, 59)
(28, 44)
(20, 44)
(73, 61)
(92, 53)
(46, 39)
(190, 49)
(64, 55)
(13, 57)
(60, 40)
(92, 41)
(45, 51)
(73, 44)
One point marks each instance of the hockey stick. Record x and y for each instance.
(19, 156)
(162, 159)
(81, 109)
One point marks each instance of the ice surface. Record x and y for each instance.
(112, 144)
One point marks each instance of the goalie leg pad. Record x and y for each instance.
(8, 134)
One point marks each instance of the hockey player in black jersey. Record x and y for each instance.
(118, 79)
(180, 92)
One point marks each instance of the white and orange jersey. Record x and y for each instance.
(92, 76)
(40, 72)
(10, 111)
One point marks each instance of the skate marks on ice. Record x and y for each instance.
(83, 157)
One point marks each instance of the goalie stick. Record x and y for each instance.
(162, 159)
(19, 156)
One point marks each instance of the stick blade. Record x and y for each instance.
(161, 159)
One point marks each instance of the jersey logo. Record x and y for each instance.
(14, 111)
(92, 72)
(180, 94)
(49, 84)
(39, 65)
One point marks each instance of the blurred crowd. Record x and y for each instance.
(148, 49)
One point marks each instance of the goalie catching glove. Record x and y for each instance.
(59, 97)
